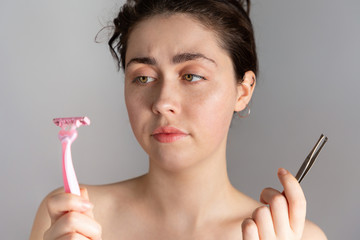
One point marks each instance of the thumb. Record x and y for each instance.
(84, 193)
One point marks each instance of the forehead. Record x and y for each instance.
(163, 36)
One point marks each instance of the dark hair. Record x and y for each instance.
(228, 18)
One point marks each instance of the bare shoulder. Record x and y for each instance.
(112, 199)
(104, 197)
(119, 191)
(313, 232)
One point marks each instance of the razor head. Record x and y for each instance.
(71, 121)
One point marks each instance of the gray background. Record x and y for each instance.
(308, 85)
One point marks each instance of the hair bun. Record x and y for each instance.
(246, 5)
(243, 4)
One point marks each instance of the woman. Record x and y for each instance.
(189, 65)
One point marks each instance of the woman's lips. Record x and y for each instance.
(168, 134)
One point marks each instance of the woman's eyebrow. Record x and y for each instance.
(184, 57)
(178, 58)
(143, 60)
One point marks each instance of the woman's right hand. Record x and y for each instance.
(71, 217)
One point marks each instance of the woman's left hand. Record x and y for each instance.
(283, 218)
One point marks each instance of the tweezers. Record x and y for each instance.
(310, 159)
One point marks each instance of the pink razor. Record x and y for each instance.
(67, 136)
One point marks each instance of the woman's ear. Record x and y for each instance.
(245, 90)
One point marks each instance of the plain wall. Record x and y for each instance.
(308, 84)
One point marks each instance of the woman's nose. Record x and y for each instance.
(166, 99)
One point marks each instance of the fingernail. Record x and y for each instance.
(87, 205)
(282, 172)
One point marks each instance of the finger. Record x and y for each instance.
(295, 198)
(279, 210)
(75, 222)
(84, 193)
(264, 222)
(249, 230)
(62, 203)
(71, 236)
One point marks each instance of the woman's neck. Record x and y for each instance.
(190, 197)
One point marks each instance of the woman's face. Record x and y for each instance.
(180, 91)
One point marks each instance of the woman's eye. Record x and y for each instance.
(144, 79)
(193, 77)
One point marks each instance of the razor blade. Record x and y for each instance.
(71, 121)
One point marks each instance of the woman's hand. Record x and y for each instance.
(284, 218)
(71, 217)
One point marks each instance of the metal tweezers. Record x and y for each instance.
(310, 159)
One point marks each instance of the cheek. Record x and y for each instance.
(134, 106)
(130, 106)
(214, 110)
